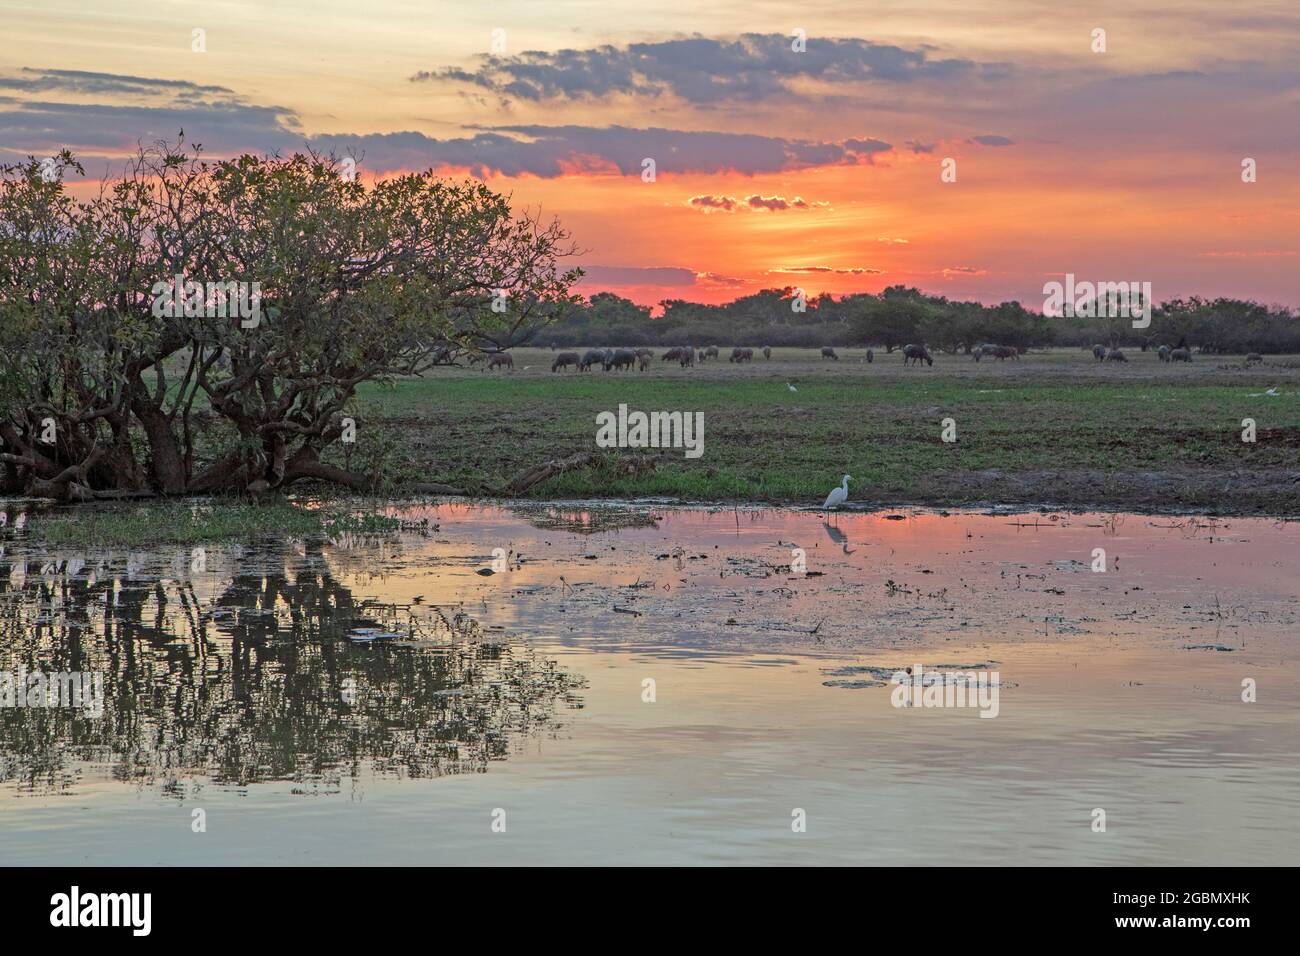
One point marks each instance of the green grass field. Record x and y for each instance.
(1053, 427)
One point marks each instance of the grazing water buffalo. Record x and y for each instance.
(564, 360)
(500, 358)
(828, 352)
(1180, 355)
(767, 352)
(1254, 357)
(871, 356)
(687, 357)
(1115, 355)
(710, 352)
(593, 357)
(673, 354)
(1163, 353)
(1099, 352)
(643, 361)
(1002, 352)
(741, 355)
(918, 352)
(976, 352)
(620, 359)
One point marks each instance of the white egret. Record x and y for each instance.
(838, 495)
(791, 387)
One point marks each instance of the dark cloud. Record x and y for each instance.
(145, 110)
(550, 151)
(547, 150)
(710, 203)
(668, 276)
(96, 131)
(226, 125)
(699, 69)
(778, 203)
(866, 148)
(80, 81)
(991, 141)
(819, 270)
(720, 281)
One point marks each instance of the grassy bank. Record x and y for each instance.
(193, 522)
(1054, 427)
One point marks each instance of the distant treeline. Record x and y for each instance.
(900, 315)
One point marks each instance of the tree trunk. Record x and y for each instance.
(168, 465)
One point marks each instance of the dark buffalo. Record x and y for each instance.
(621, 359)
(565, 359)
(917, 353)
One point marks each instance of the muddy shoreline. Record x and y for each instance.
(1278, 498)
(1284, 506)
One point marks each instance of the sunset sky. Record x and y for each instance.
(818, 169)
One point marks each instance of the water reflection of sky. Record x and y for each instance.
(245, 689)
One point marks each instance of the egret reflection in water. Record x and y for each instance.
(263, 667)
(838, 536)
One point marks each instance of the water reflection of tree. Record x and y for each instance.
(259, 681)
(588, 519)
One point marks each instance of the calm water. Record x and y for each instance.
(375, 699)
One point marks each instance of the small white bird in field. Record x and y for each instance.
(791, 387)
(838, 495)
